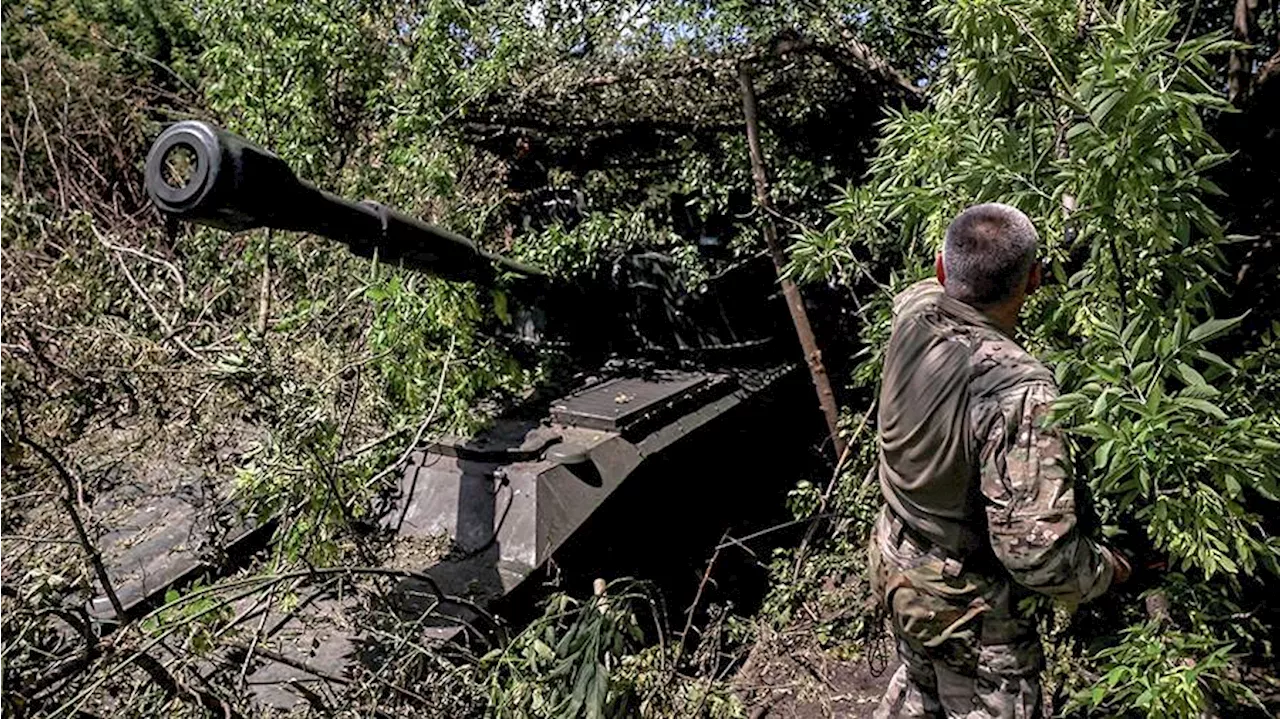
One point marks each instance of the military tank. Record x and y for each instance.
(687, 419)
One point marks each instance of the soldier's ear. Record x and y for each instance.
(1034, 277)
(940, 270)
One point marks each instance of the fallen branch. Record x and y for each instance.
(264, 294)
(852, 53)
(260, 584)
(173, 270)
(288, 661)
(69, 484)
(37, 540)
(170, 332)
(164, 679)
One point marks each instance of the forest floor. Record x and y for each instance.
(789, 676)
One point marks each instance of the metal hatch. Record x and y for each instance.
(621, 403)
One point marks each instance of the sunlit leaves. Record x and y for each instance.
(1167, 450)
(1162, 673)
(584, 659)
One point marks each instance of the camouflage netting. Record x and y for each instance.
(638, 112)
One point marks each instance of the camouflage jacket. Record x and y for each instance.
(965, 459)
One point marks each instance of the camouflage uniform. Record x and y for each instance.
(979, 514)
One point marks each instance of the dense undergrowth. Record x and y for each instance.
(303, 374)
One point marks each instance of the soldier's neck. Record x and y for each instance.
(1004, 315)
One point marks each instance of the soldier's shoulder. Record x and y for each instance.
(918, 296)
(1001, 366)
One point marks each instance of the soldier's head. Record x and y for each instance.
(988, 258)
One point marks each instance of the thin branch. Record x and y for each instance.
(863, 55)
(69, 503)
(289, 661)
(1121, 281)
(257, 635)
(170, 332)
(264, 293)
(697, 599)
(371, 445)
(38, 540)
(803, 548)
(1048, 56)
(1191, 21)
(53, 164)
(422, 428)
(173, 270)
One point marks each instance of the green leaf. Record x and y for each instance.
(1203, 406)
(1103, 107)
(599, 693)
(1144, 699)
(1078, 129)
(1211, 187)
(1190, 376)
(1211, 159)
(582, 682)
(1142, 373)
(1127, 334)
(1214, 359)
(1213, 328)
(1099, 406)
(1199, 392)
(500, 309)
(1233, 485)
(1069, 400)
(1102, 454)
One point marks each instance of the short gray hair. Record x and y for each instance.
(988, 251)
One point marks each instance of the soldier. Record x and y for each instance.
(980, 511)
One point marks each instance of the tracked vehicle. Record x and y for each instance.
(687, 420)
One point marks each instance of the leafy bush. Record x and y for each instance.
(592, 659)
(1092, 123)
(1163, 674)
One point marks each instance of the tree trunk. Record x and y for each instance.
(1244, 22)
(795, 304)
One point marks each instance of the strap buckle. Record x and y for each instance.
(952, 568)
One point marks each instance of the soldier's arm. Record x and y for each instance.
(1030, 504)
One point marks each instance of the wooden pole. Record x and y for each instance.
(795, 304)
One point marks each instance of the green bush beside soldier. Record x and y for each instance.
(980, 511)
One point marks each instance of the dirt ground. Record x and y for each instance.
(788, 676)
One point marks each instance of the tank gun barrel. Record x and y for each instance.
(197, 172)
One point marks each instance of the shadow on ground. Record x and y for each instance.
(789, 676)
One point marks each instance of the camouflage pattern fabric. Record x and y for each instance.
(980, 513)
(965, 649)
